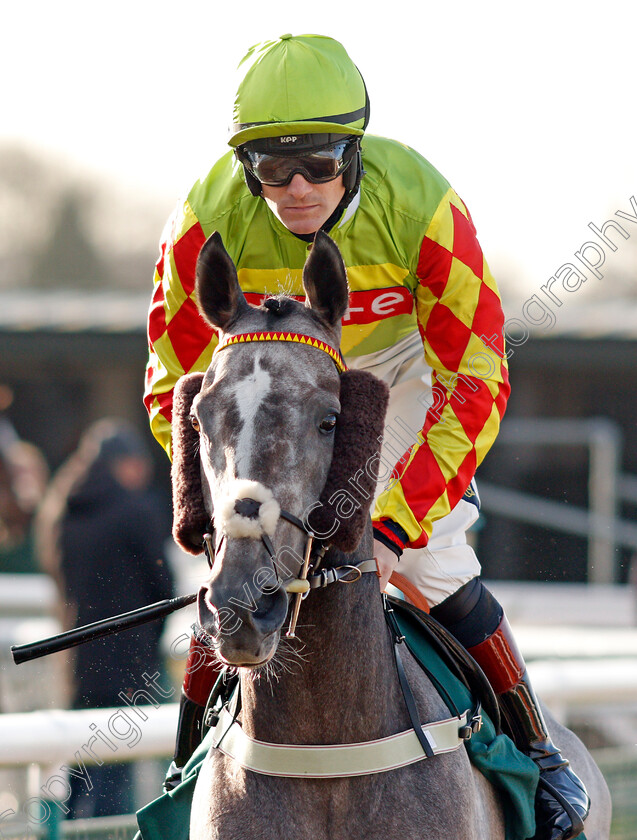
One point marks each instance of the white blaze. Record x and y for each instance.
(249, 393)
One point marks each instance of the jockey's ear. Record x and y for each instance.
(325, 281)
(221, 300)
(190, 519)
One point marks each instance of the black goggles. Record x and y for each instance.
(318, 167)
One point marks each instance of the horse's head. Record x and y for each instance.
(255, 438)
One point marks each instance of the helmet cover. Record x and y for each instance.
(305, 84)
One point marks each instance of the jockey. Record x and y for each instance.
(425, 316)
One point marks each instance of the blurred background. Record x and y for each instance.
(108, 116)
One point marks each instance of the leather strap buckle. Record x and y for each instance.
(473, 726)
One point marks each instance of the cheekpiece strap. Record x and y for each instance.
(298, 338)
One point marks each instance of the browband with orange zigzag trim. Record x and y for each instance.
(299, 338)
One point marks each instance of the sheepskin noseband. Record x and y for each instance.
(340, 514)
(258, 514)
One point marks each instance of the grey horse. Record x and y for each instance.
(264, 417)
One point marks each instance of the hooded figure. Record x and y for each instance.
(108, 537)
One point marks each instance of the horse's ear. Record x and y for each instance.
(325, 280)
(190, 520)
(221, 300)
(343, 509)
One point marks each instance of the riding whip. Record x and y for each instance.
(98, 629)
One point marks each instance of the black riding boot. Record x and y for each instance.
(477, 620)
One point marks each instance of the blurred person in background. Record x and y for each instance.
(101, 535)
(23, 477)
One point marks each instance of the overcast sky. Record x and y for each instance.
(529, 110)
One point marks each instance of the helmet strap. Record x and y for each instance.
(354, 172)
(254, 185)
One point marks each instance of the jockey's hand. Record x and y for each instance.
(386, 561)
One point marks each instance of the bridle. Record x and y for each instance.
(311, 576)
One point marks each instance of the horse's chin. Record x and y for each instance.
(253, 659)
(234, 636)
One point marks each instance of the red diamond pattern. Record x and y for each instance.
(156, 315)
(473, 412)
(165, 405)
(466, 247)
(420, 477)
(488, 318)
(434, 264)
(447, 335)
(185, 253)
(189, 334)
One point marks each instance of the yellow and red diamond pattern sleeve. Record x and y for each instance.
(179, 339)
(461, 323)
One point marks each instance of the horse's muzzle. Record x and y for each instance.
(243, 615)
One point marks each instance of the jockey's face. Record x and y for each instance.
(301, 206)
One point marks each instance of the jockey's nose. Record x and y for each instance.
(298, 186)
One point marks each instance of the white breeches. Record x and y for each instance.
(448, 561)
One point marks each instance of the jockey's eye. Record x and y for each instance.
(195, 422)
(328, 424)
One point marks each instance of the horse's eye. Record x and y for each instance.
(195, 423)
(328, 424)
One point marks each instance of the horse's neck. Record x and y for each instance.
(345, 689)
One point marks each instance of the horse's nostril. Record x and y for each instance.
(264, 610)
(270, 612)
(248, 508)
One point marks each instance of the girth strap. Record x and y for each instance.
(475, 716)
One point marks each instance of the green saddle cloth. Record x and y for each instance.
(513, 773)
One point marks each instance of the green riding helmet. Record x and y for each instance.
(305, 84)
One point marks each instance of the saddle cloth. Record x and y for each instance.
(510, 771)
